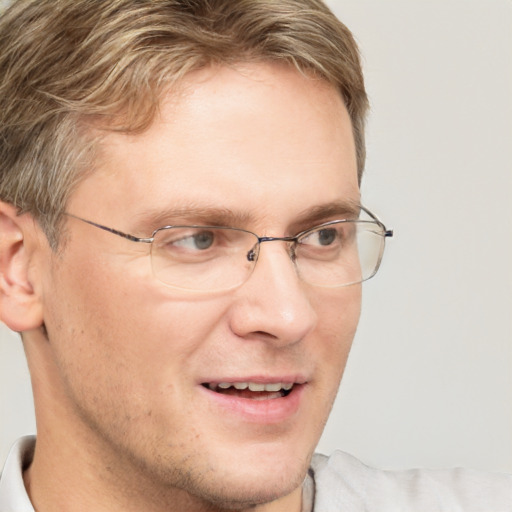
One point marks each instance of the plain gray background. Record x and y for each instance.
(429, 380)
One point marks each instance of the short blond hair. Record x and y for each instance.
(64, 63)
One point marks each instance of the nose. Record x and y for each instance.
(274, 303)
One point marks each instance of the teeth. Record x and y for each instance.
(253, 386)
(273, 387)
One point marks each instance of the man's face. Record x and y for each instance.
(266, 149)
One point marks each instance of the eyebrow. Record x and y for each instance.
(152, 219)
(204, 215)
(337, 210)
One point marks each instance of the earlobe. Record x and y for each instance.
(20, 305)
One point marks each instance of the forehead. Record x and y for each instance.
(259, 139)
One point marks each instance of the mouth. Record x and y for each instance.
(252, 390)
(257, 400)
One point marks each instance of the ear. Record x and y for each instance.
(20, 307)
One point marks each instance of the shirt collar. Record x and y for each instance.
(13, 496)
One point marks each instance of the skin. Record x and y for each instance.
(123, 421)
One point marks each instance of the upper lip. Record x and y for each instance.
(285, 379)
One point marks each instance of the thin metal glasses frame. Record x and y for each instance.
(387, 233)
(252, 254)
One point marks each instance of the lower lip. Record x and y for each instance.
(274, 410)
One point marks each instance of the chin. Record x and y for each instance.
(234, 492)
(246, 481)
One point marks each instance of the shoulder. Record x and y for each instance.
(342, 482)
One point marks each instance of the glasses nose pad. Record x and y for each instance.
(292, 251)
(253, 253)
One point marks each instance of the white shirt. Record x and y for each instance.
(13, 496)
(343, 483)
(338, 483)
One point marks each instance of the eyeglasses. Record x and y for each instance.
(217, 258)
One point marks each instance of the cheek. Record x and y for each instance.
(338, 311)
(338, 316)
(124, 351)
(124, 325)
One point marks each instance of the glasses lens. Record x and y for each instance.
(335, 254)
(340, 253)
(202, 258)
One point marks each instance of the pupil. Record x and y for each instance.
(203, 240)
(326, 236)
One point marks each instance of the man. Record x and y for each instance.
(182, 248)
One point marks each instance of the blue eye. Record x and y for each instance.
(204, 240)
(327, 236)
(198, 241)
(323, 237)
